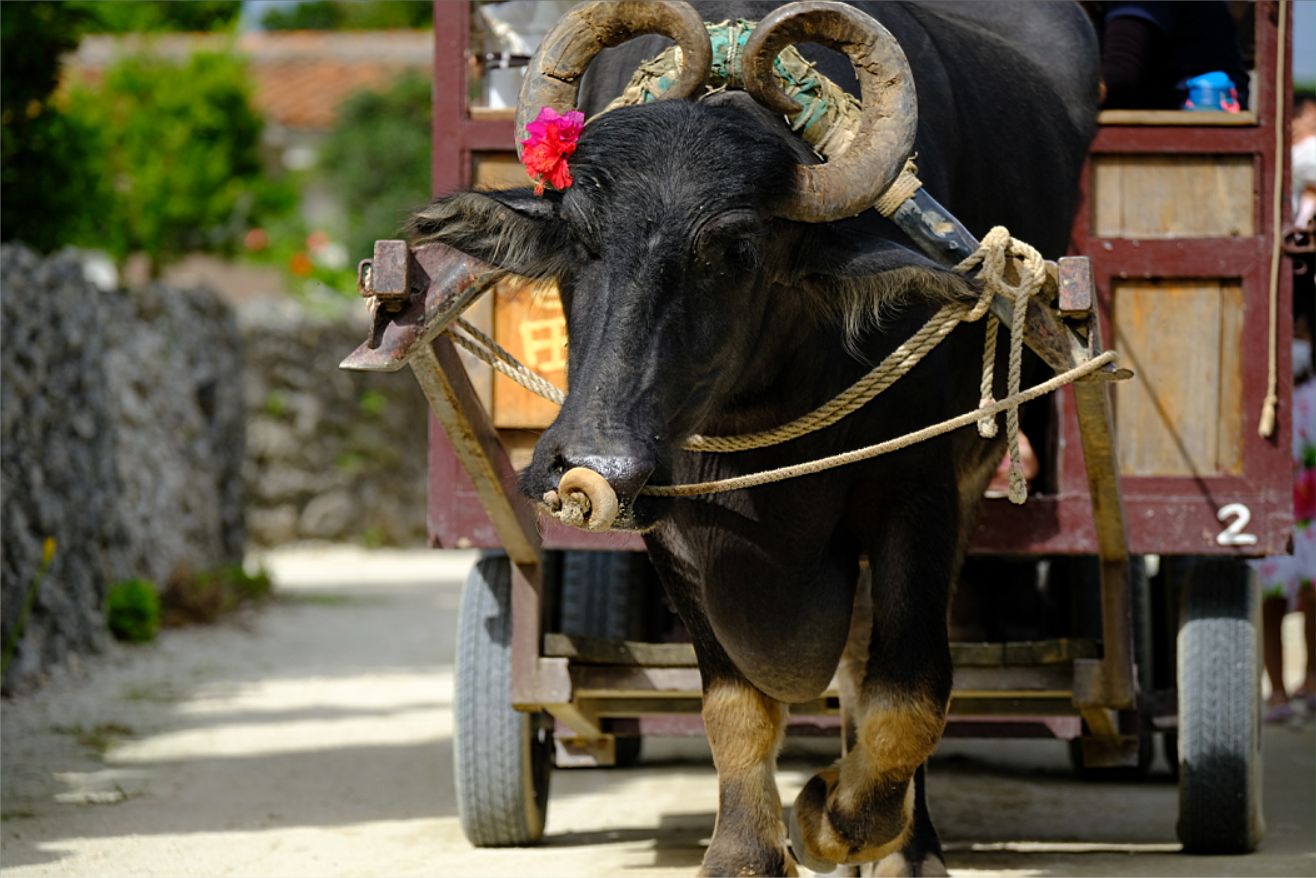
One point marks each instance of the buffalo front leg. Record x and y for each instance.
(863, 809)
(745, 729)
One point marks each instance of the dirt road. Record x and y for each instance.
(314, 738)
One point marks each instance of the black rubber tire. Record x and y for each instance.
(604, 594)
(608, 594)
(502, 758)
(1219, 736)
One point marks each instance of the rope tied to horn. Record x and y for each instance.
(829, 116)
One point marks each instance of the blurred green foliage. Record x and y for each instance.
(136, 16)
(160, 156)
(132, 609)
(340, 15)
(180, 146)
(377, 159)
(49, 183)
(202, 598)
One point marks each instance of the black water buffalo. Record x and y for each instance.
(715, 283)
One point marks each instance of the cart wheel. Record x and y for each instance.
(607, 594)
(1219, 740)
(604, 594)
(502, 758)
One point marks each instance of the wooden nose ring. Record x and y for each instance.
(603, 505)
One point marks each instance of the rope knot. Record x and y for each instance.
(1000, 256)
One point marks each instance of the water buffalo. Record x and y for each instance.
(717, 279)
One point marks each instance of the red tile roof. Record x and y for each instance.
(301, 77)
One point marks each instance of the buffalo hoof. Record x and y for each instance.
(721, 863)
(824, 834)
(898, 865)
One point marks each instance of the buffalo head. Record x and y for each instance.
(699, 246)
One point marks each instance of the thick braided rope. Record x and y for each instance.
(993, 258)
(995, 254)
(849, 401)
(987, 425)
(484, 348)
(816, 466)
(901, 190)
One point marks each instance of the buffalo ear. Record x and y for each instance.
(513, 229)
(869, 275)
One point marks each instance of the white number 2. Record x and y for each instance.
(1233, 535)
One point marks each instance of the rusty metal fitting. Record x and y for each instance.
(387, 277)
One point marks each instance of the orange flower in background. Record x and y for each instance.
(256, 239)
(551, 142)
(300, 264)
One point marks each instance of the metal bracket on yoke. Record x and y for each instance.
(414, 294)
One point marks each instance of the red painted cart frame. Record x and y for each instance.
(580, 683)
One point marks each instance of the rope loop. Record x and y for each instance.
(999, 255)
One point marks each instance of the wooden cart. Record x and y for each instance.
(1180, 236)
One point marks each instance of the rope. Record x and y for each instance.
(489, 351)
(837, 460)
(901, 190)
(997, 254)
(859, 394)
(1266, 427)
(987, 424)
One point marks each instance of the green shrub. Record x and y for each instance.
(377, 160)
(133, 610)
(144, 16)
(337, 15)
(181, 147)
(203, 598)
(50, 179)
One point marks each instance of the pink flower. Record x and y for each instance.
(552, 139)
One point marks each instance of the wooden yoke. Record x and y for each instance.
(414, 295)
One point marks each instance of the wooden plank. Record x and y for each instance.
(1182, 413)
(1172, 196)
(1175, 117)
(602, 651)
(1230, 426)
(1048, 652)
(1105, 191)
(453, 401)
(529, 322)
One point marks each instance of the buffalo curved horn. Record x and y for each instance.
(553, 78)
(851, 182)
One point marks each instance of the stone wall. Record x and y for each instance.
(130, 422)
(332, 455)
(121, 440)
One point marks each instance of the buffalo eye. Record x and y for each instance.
(730, 241)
